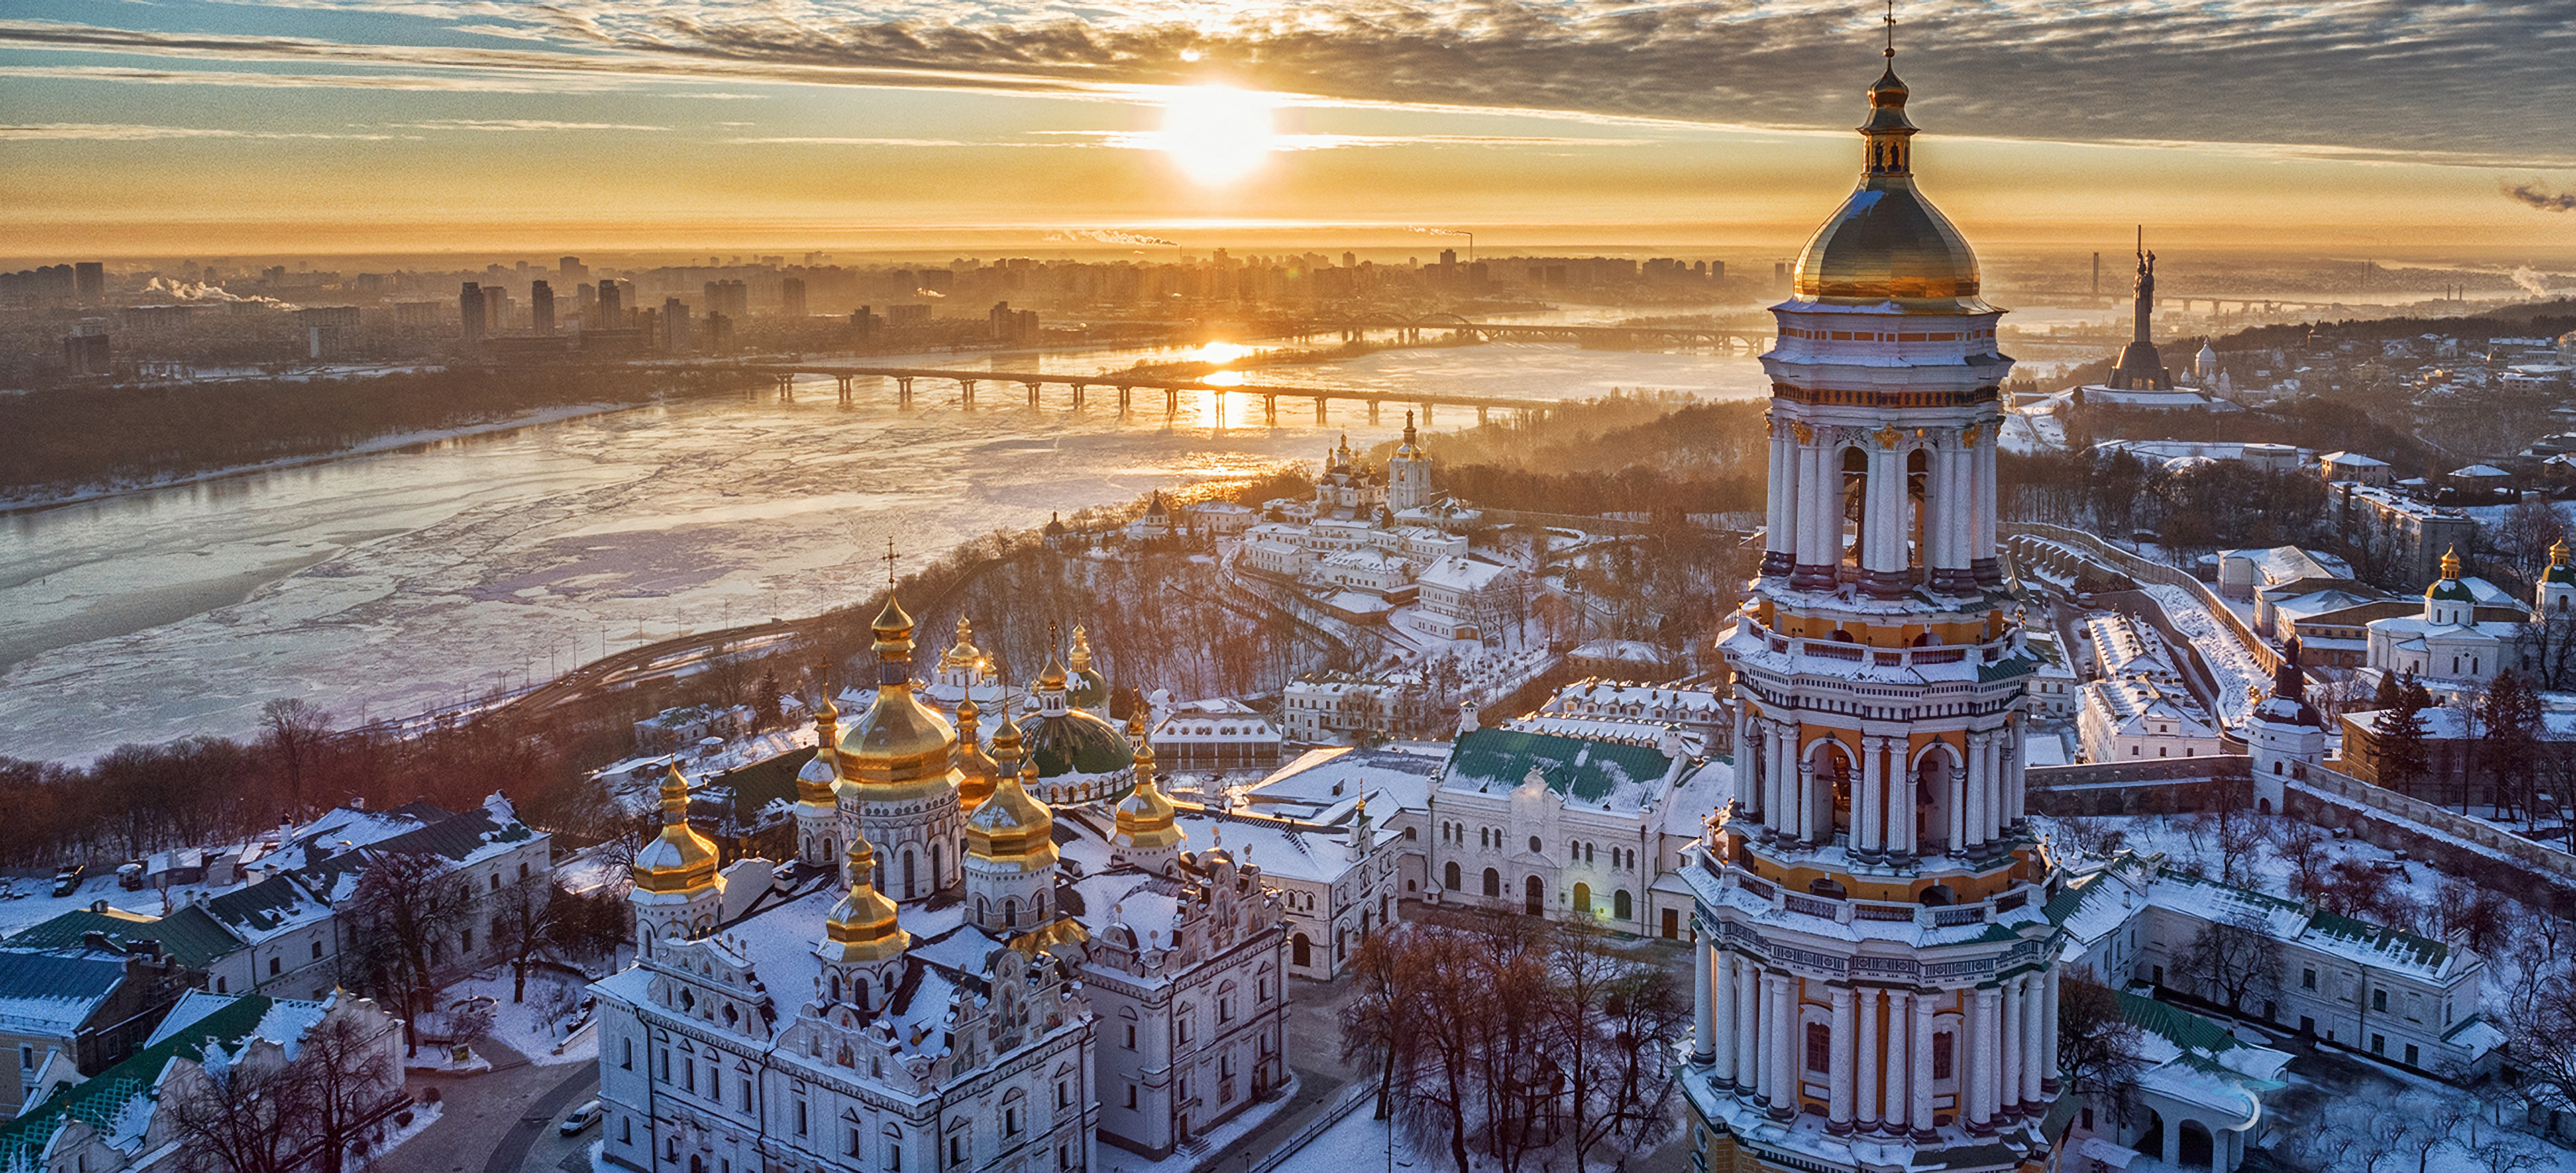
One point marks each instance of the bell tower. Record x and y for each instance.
(1875, 978)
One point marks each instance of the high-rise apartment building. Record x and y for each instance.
(469, 307)
(541, 307)
(791, 297)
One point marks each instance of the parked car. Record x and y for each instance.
(67, 880)
(581, 1119)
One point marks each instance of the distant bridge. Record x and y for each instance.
(1351, 329)
(1125, 384)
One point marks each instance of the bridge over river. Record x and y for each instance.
(1080, 388)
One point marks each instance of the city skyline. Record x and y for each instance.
(331, 128)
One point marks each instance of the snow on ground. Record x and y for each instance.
(1359, 1142)
(422, 1116)
(2240, 678)
(26, 901)
(538, 1026)
(1221, 1139)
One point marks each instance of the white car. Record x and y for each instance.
(581, 1119)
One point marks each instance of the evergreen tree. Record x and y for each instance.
(2399, 729)
(2388, 696)
(2512, 743)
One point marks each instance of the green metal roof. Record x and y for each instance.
(99, 1100)
(1075, 742)
(2423, 951)
(190, 935)
(262, 907)
(1581, 768)
(758, 784)
(2180, 1027)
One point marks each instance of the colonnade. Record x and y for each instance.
(1805, 506)
(1901, 1059)
(1982, 799)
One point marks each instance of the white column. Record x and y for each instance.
(2048, 1044)
(1867, 803)
(1982, 544)
(1955, 799)
(1919, 1053)
(1980, 758)
(1722, 1048)
(1748, 1026)
(1703, 1014)
(1802, 804)
(1779, 518)
(1775, 797)
(1744, 750)
(1955, 505)
(1782, 1049)
(2016, 779)
(1838, 1084)
(1882, 531)
(1900, 1061)
(2034, 995)
(1900, 797)
(1865, 1078)
(2009, 1055)
(1814, 547)
(1984, 1039)
(1995, 786)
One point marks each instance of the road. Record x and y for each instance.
(487, 1123)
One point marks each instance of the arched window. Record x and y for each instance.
(1820, 1047)
(1534, 846)
(1619, 905)
(1583, 899)
(910, 875)
(1534, 897)
(1011, 911)
(1493, 882)
(1301, 952)
(1449, 876)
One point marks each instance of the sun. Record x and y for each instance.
(1217, 134)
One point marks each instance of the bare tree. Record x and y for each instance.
(2098, 1049)
(2236, 959)
(526, 919)
(265, 1112)
(292, 730)
(405, 908)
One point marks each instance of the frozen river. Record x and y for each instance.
(386, 584)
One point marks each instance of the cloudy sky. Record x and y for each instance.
(134, 128)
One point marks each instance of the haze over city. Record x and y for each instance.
(1499, 586)
(395, 128)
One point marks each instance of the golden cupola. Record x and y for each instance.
(1085, 687)
(862, 927)
(814, 782)
(1013, 826)
(899, 746)
(1887, 243)
(1147, 819)
(678, 859)
(963, 655)
(976, 772)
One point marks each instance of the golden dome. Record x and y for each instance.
(1013, 826)
(1887, 242)
(814, 782)
(963, 654)
(1146, 817)
(976, 773)
(899, 747)
(1409, 450)
(862, 926)
(1052, 677)
(679, 859)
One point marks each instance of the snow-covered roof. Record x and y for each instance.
(2280, 564)
(2352, 460)
(1461, 574)
(53, 994)
(1321, 779)
(1591, 772)
(2133, 704)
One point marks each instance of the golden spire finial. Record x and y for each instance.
(1081, 649)
(1053, 676)
(863, 926)
(2558, 552)
(2451, 563)
(675, 797)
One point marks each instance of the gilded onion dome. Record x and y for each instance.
(976, 772)
(1013, 826)
(2559, 570)
(899, 745)
(963, 655)
(1410, 449)
(1085, 687)
(814, 782)
(1887, 242)
(862, 926)
(2450, 589)
(678, 859)
(1146, 818)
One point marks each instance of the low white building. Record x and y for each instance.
(2461, 638)
(1452, 606)
(2054, 691)
(2119, 646)
(1334, 707)
(1221, 518)
(2136, 719)
(2368, 989)
(1218, 735)
(1557, 826)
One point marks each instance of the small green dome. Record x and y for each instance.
(1075, 742)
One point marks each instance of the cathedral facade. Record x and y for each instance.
(911, 992)
(1876, 980)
